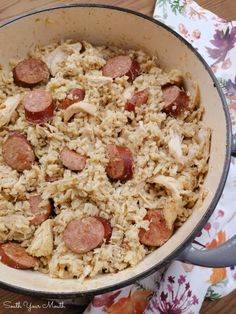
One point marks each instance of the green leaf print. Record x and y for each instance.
(212, 296)
(162, 3)
(176, 5)
(223, 84)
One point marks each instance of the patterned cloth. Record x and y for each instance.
(181, 288)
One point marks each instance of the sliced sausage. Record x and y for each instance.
(84, 235)
(107, 227)
(72, 160)
(120, 166)
(40, 212)
(176, 100)
(18, 152)
(158, 232)
(120, 66)
(116, 169)
(138, 99)
(38, 105)
(13, 255)
(30, 72)
(74, 95)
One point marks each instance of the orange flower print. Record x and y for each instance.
(124, 305)
(233, 106)
(140, 300)
(226, 64)
(218, 274)
(219, 240)
(105, 300)
(187, 267)
(196, 34)
(135, 303)
(214, 68)
(182, 29)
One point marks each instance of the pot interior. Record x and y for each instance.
(108, 26)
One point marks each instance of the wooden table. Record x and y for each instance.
(9, 8)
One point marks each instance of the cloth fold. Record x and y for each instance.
(182, 288)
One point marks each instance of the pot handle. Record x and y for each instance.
(220, 256)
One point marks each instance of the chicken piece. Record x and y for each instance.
(203, 138)
(128, 93)
(175, 148)
(54, 58)
(98, 80)
(59, 54)
(7, 108)
(170, 212)
(42, 243)
(78, 107)
(169, 183)
(14, 227)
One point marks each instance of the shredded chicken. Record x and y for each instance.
(78, 107)
(73, 48)
(175, 148)
(170, 212)
(171, 184)
(196, 94)
(203, 138)
(95, 80)
(42, 243)
(128, 93)
(14, 227)
(59, 54)
(7, 108)
(54, 58)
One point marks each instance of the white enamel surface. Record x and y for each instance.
(105, 26)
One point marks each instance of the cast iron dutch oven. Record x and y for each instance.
(102, 24)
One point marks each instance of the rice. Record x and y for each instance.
(170, 157)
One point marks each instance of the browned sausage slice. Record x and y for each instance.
(120, 166)
(120, 66)
(74, 95)
(138, 99)
(84, 235)
(116, 168)
(18, 152)
(107, 227)
(176, 100)
(158, 232)
(72, 160)
(41, 213)
(38, 106)
(30, 72)
(13, 255)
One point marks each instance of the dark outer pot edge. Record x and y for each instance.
(188, 240)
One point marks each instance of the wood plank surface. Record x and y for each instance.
(15, 303)
(9, 8)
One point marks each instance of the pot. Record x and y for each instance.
(102, 24)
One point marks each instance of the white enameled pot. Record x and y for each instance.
(121, 27)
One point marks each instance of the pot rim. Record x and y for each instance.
(211, 207)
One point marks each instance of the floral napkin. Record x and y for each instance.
(182, 288)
